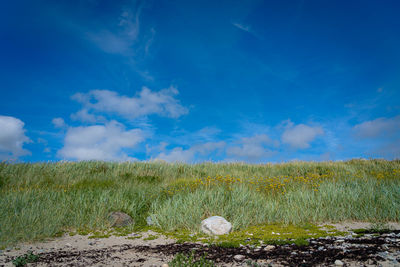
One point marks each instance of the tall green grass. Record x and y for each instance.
(42, 199)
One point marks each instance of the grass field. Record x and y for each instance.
(45, 199)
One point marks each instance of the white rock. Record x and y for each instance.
(339, 263)
(216, 225)
(164, 265)
(239, 257)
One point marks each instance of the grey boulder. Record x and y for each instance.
(119, 219)
(216, 225)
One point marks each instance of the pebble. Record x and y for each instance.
(68, 245)
(339, 263)
(164, 265)
(239, 257)
(269, 247)
(385, 247)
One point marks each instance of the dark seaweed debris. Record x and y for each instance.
(368, 249)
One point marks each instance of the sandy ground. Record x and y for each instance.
(131, 251)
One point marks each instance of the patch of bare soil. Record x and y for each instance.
(371, 249)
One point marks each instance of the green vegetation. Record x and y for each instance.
(184, 260)
(256, 235)
(24, 259)
(47, 199)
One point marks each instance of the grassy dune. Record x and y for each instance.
(44, 199)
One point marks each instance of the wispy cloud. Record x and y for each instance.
(242, 27)
(12, 138)
(379, 137)
(378, 127)
(252, 148)
(195, 153)
(119, 38)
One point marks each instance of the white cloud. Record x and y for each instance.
(252, 148)
(100, 142)
(59, 122)
(12, 138)
(301, 135)
(178, 154)
(378, 127)
(84, 116)
(146, 103)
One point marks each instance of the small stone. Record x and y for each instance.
(269, 247)
(164, 265)
(68, 245)
(149, 221)
(339, 263)
(294, 253)
(257, 250)
(239, 257)
(340, 241)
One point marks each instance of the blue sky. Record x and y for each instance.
(193, 81)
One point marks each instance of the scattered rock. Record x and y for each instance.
(119, 219)
(68, 245)
(339, 263)
(216, 225)
(239, 257)
(164, 265)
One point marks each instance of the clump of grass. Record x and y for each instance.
(241, 206)
(151, 237)
(189, 260)
(24, 259)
